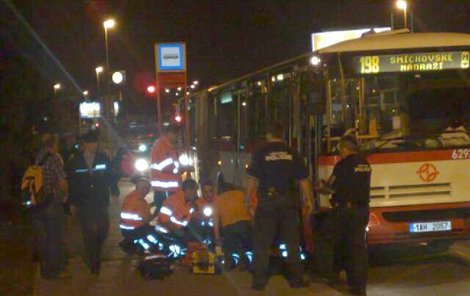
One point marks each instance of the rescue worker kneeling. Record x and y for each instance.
(175, 217)
(233, 221)
(135, 217)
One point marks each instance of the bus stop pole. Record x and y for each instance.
(159, 108)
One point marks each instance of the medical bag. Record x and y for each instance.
(155, 267)
(205, 262)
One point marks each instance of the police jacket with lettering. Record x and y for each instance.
(277, 166)
(350, 181)
(90, 186)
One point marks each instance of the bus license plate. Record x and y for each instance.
(431, 226)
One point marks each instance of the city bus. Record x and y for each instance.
(405, 96)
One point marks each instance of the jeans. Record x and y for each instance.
(48, 224)
(94, 222)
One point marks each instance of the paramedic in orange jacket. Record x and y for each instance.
(177, 212)
(165, 168)
(232, 221)
(135, 217)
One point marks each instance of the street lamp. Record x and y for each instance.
(403, 5)
(98, 71)
(118, 77)
(85, 92)
(108, 24)
(57, 86)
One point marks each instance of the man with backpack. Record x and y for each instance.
(46, 189)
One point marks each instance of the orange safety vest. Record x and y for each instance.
(135, 212)
(165, 168)
(176, 210)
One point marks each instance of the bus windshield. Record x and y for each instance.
(403, 111)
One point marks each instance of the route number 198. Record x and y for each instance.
(370, 64)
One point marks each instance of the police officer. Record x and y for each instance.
(350, 186)
(90, 180)
(273, 173)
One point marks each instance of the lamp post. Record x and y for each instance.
(403, 5)
(57, 87)
(98, 71)
(108, 24)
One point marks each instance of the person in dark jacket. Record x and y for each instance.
(349, 185)
(90, 181)
(273, 174)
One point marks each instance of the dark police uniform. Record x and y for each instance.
(276, 167)
(89, 192)
(350, 186)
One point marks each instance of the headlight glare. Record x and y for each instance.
(141, 165)
(142, 147)
(208, 211)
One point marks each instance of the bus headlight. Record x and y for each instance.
(141, 165)
(207, 211)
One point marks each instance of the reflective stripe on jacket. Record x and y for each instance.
(135, 212)
(164, 167)
(176, 210)
(89, 185)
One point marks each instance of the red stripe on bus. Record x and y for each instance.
(397, 157)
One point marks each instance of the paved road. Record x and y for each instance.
(396, 271)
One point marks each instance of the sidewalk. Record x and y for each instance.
(119, 276)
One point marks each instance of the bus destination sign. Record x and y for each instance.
(412, 62)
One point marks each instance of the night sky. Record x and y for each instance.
(225, 39)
